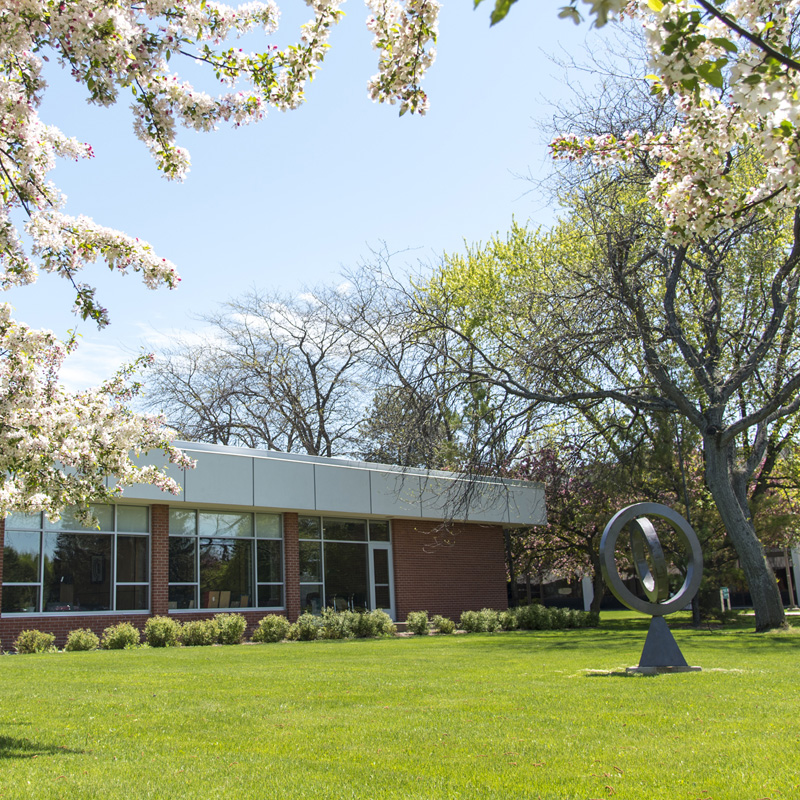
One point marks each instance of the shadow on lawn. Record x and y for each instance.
(12, 747)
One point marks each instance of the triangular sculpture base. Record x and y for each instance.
(661, 652)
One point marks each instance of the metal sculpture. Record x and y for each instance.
(661, 651)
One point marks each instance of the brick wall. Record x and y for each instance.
(291, 560)
(159, 558)
(448, 572)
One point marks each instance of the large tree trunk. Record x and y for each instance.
(739, 526)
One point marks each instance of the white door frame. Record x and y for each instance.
(387, 546)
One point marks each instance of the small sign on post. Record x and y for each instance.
(725, 598)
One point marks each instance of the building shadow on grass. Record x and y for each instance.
(14, 747)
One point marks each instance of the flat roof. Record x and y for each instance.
(265, 479)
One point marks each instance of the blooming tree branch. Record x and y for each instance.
(733, 72)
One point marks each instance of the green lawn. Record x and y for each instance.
(513, 715)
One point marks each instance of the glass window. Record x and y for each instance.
(133, 519)
(226, 573)
(182, 560)
(346, 576)
(270, 566)
(224, 524)
(350, 530)
(77, 572)
(270, 595)
(378, 531)
(68, 567)
(311, 598)
(309, 528)
(229, 559)
(21, 557)
(310, 562)
(20, 599)
(26, 522)
(268, 526)
(132, 560)
(132, 598)
(182, 522)
(183, 596)
(70, 522)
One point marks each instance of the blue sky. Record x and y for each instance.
(291, 201)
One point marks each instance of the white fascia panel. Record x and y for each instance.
(144, 491)
(342, 489)
(220, 478)
(395, 493)
(526, 505)
(283, 484)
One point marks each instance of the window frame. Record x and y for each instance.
(254, 538)
(39, 585)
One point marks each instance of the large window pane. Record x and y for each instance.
(346, 576)
(268, 526)
(310, 562)
(132, 598)
(77, 572)
(133, 519)
(226, 570)
(311, 598)
(21, 557)
(309, 528)
(132, 560)
(18, 599)
(69, 522)
(378, 531)
(380, 565)
(224, 524)
(26, 522)
(182, 597)
(351, 530)
(270, 596)
(182, 560)
(182, 522)
(269, 561)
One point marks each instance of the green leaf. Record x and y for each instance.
(655, 5)
(725, 44)
(501, 8)
(570, 12)
(711, 72)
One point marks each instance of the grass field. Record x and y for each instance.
(512, 715)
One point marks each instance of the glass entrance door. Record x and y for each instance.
(381, 577)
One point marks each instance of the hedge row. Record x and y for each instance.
(487, 620)
(222, 629)
(229, 628)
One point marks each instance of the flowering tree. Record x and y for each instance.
(56, 447)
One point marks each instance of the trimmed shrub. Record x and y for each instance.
(273, 628)
(305, 629)
(162, 632)
(82, 639)
(122, 636)
(199, 633)
(490, 620)
(417, 622)
(336, 624)
(508, 619)
(381, 623)
(231, 628)
(443, 624)
(34, 641)
(470, 621)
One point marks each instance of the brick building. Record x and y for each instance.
(260, 532)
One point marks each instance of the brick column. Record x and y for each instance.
(2, 550)
(291, 558)
(159, 559)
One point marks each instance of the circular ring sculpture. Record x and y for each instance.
(655, 582)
